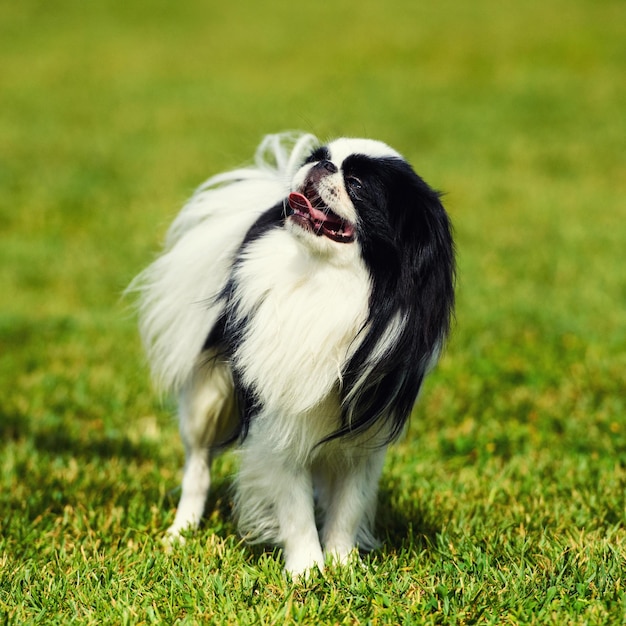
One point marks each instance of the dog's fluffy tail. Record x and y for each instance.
(178, 291)
(276, 160)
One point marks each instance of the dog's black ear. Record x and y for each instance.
(410, 254)
(427, 265)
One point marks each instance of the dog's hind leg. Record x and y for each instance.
(206, 415)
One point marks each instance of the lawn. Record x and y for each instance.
(505, 501)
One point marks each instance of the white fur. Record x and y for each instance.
(343, 148)
(309, 296)
(293, 353)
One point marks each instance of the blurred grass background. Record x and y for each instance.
(112, 112)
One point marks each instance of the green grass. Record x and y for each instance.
(505, 503)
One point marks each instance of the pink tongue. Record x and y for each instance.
(301, 203)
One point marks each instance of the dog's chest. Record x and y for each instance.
(302, 317)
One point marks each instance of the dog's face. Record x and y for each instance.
(328, 189)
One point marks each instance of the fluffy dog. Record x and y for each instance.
(296, 309)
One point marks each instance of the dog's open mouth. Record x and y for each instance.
(319, 219)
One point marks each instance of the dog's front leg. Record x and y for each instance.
(296, 519)
(274, 503)
(351, 507)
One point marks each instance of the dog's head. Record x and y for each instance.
(361, 193)
(329, 188)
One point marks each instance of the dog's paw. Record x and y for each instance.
(301, 564)
(173, 537)
(340, 556)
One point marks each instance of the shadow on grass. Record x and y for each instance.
(78, 440)
(13, 426)
(407, 527)
(107, 447)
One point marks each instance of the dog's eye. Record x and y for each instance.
(353, 184)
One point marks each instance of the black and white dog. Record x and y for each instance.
(297, 307)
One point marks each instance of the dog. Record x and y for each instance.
(296, 309)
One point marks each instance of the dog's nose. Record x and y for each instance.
(329, 166)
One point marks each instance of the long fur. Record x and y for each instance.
(308, 346)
